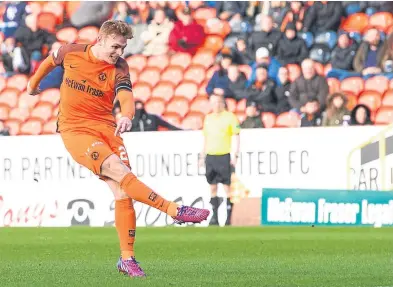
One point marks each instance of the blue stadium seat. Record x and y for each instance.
(328, 38)
(352, 8)
(320, 53)
(308, 38)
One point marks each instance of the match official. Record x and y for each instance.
(219, 127)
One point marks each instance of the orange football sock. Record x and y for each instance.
(125, 224)
(137, 190)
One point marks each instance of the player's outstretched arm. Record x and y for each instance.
(127, 106)
(45, 68)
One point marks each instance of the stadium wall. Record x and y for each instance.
(40, 185)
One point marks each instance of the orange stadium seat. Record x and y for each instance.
(150, 76)
(31, 127)
(193, 121)
(179, 105)
(381, 20)
(155, 106)
(211, 71)
(334, 85)
(353, 84)
(137, 62)
(50, 127)
(164, 90)
(327, 69)
(13, 125)
(187, 89)
(231, 104)
(241, 105)
(384, 116)
(173, 74)
(9, 96)
(47, 21)
(88, 34)
(57, 8)
(42, 111)
(172, 118)
(203, 57)
(268, 119)
(218, 27)
(201, 105)
(377, 83)
(319, 68)
(387, 100)
(371, 99)
(27, 101)
(55, 112)
(71, 7)
(352, 100)
(51, 96)
(181, 59)
(391, 84)
(213, 43)
(246, 70)
(35, 8)
(195, 73)
(389, 30)
(4, 112)
(3, 83)
(142, 91)
(202, 89)
(18, 81)
(241, 116)
(294, 71)
(288, 119)
(355, 23)
(67, 35)
(21, 114)
(203, 14)
(133, 75)
(160, 62)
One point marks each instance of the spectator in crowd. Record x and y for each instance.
(231, 11)
(135, 45)
(237, 83)
(187, 35)
(12, 18)
(122, 12)
(278, 10)
(311, 115)
(343, 56)
(91, 13)
(308, 83)
(295, 15)
(253, 119)
(219, 82)
(282, 91)
(241, 53)
(387, 55)
(335, 110)
(291, 49)
(156, 36)
(15, 59)
(267, 38)
(145, 122)
(262, 91)
(164, 5)
(322, 17)
(368, 59)
(263, 58)
(33, 39)
(361, 116)
(4, 131)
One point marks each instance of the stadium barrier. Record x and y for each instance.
(41, 185)
(326, 207)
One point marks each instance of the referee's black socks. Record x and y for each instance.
(215, 202)
(229, 211)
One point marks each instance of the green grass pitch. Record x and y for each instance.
(258, 256)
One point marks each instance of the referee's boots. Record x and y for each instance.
(215, 202)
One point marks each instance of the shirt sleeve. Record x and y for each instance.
(122, 78)
(59, 55)
(235, 126)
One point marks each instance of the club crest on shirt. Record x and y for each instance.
(102, 76)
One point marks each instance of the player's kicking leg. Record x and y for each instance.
(115, 169)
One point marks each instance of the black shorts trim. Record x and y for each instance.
(218, 169)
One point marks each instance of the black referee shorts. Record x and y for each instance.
(218, 169)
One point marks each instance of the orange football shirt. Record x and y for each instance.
(89, 87)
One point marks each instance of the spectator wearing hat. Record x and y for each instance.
(237, 83)
(253, 119)
(291, 49)
(241, 53)
(187, 35)
(311, 116)
(262, 90)
(282, 91)
(308, 83)
(219, 82)
(262, 58)
(267, 37)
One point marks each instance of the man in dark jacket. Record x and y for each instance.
(282, 91)
(241, 53)
(323, 16)
(343, 54)
(253, 120)
(291, 49)
(267, 37)
(237, 84)
(145, 122)
(308, 83)
(262, 91)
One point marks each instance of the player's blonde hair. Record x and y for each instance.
(116, 27)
